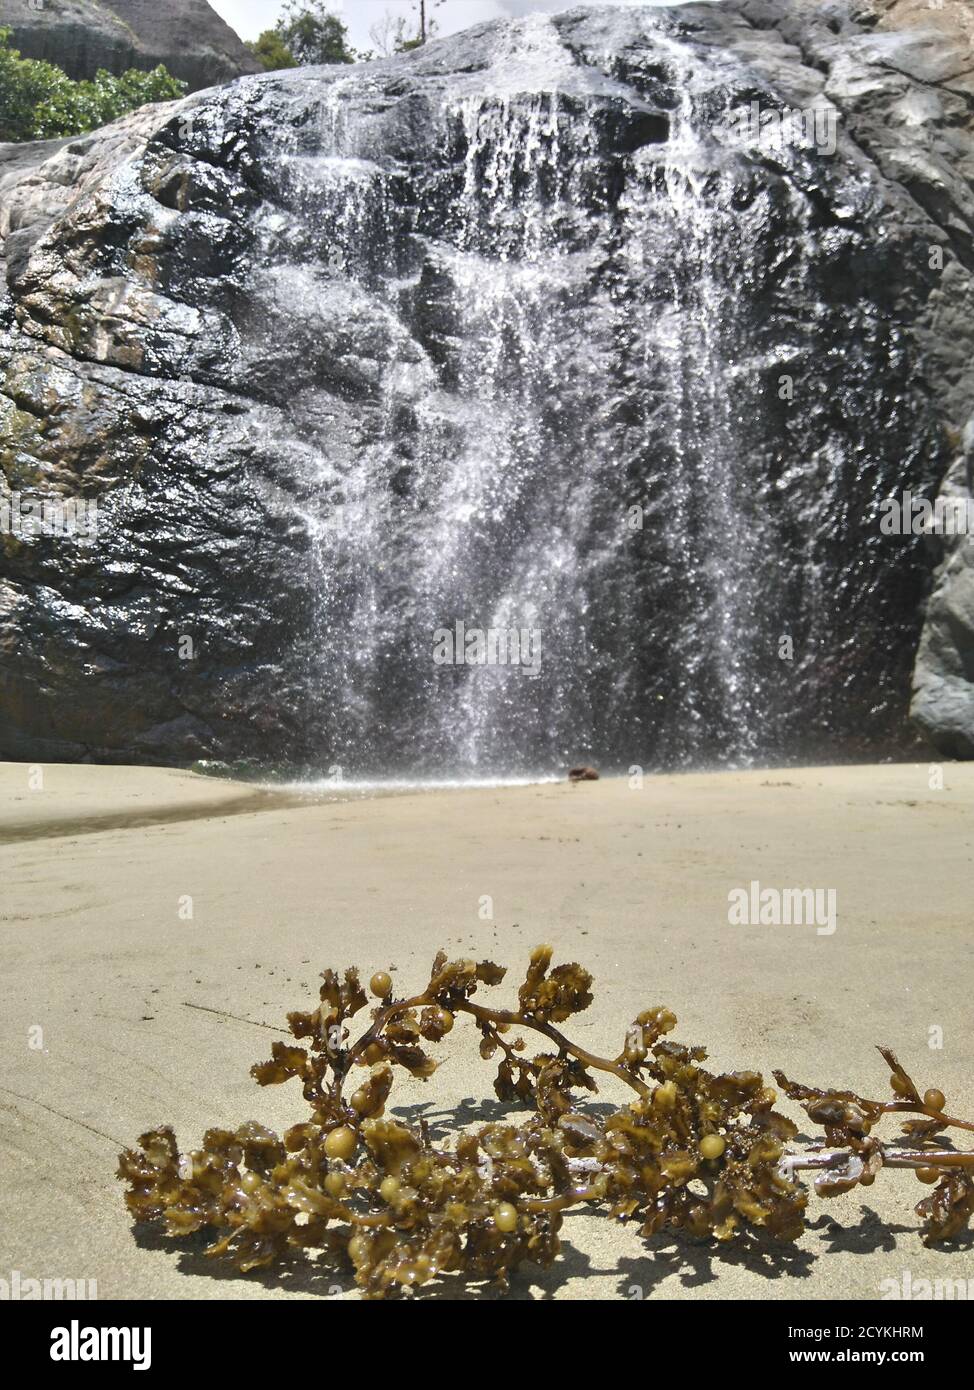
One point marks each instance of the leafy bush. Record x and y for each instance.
(312, 34)
(271, 51)
(38, 101)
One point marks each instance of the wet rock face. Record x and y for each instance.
(943, 678)
(527, 336)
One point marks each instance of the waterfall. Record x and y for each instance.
(581, 304)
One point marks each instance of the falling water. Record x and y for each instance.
(569, 426)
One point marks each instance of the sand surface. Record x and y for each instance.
(149, 1017)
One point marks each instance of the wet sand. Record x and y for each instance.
(149, 1016)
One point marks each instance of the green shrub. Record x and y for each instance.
(38, 101)
(271, 51)
(312, 34)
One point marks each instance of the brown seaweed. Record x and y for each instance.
(701, 1153)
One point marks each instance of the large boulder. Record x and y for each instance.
(532, 330)
(943, 678)
(81, 36)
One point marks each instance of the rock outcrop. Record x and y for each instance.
(81, 36)
(943, 695)
(529, 329)
(943, 682)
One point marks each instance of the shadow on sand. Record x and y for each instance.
(668, 1254)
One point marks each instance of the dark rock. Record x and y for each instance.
(345, 355)
(943, 694)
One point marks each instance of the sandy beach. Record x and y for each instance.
(148, 1016)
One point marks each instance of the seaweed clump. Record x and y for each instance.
(702, 1153)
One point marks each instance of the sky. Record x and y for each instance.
(250, 17)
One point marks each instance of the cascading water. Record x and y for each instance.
(582, 302)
